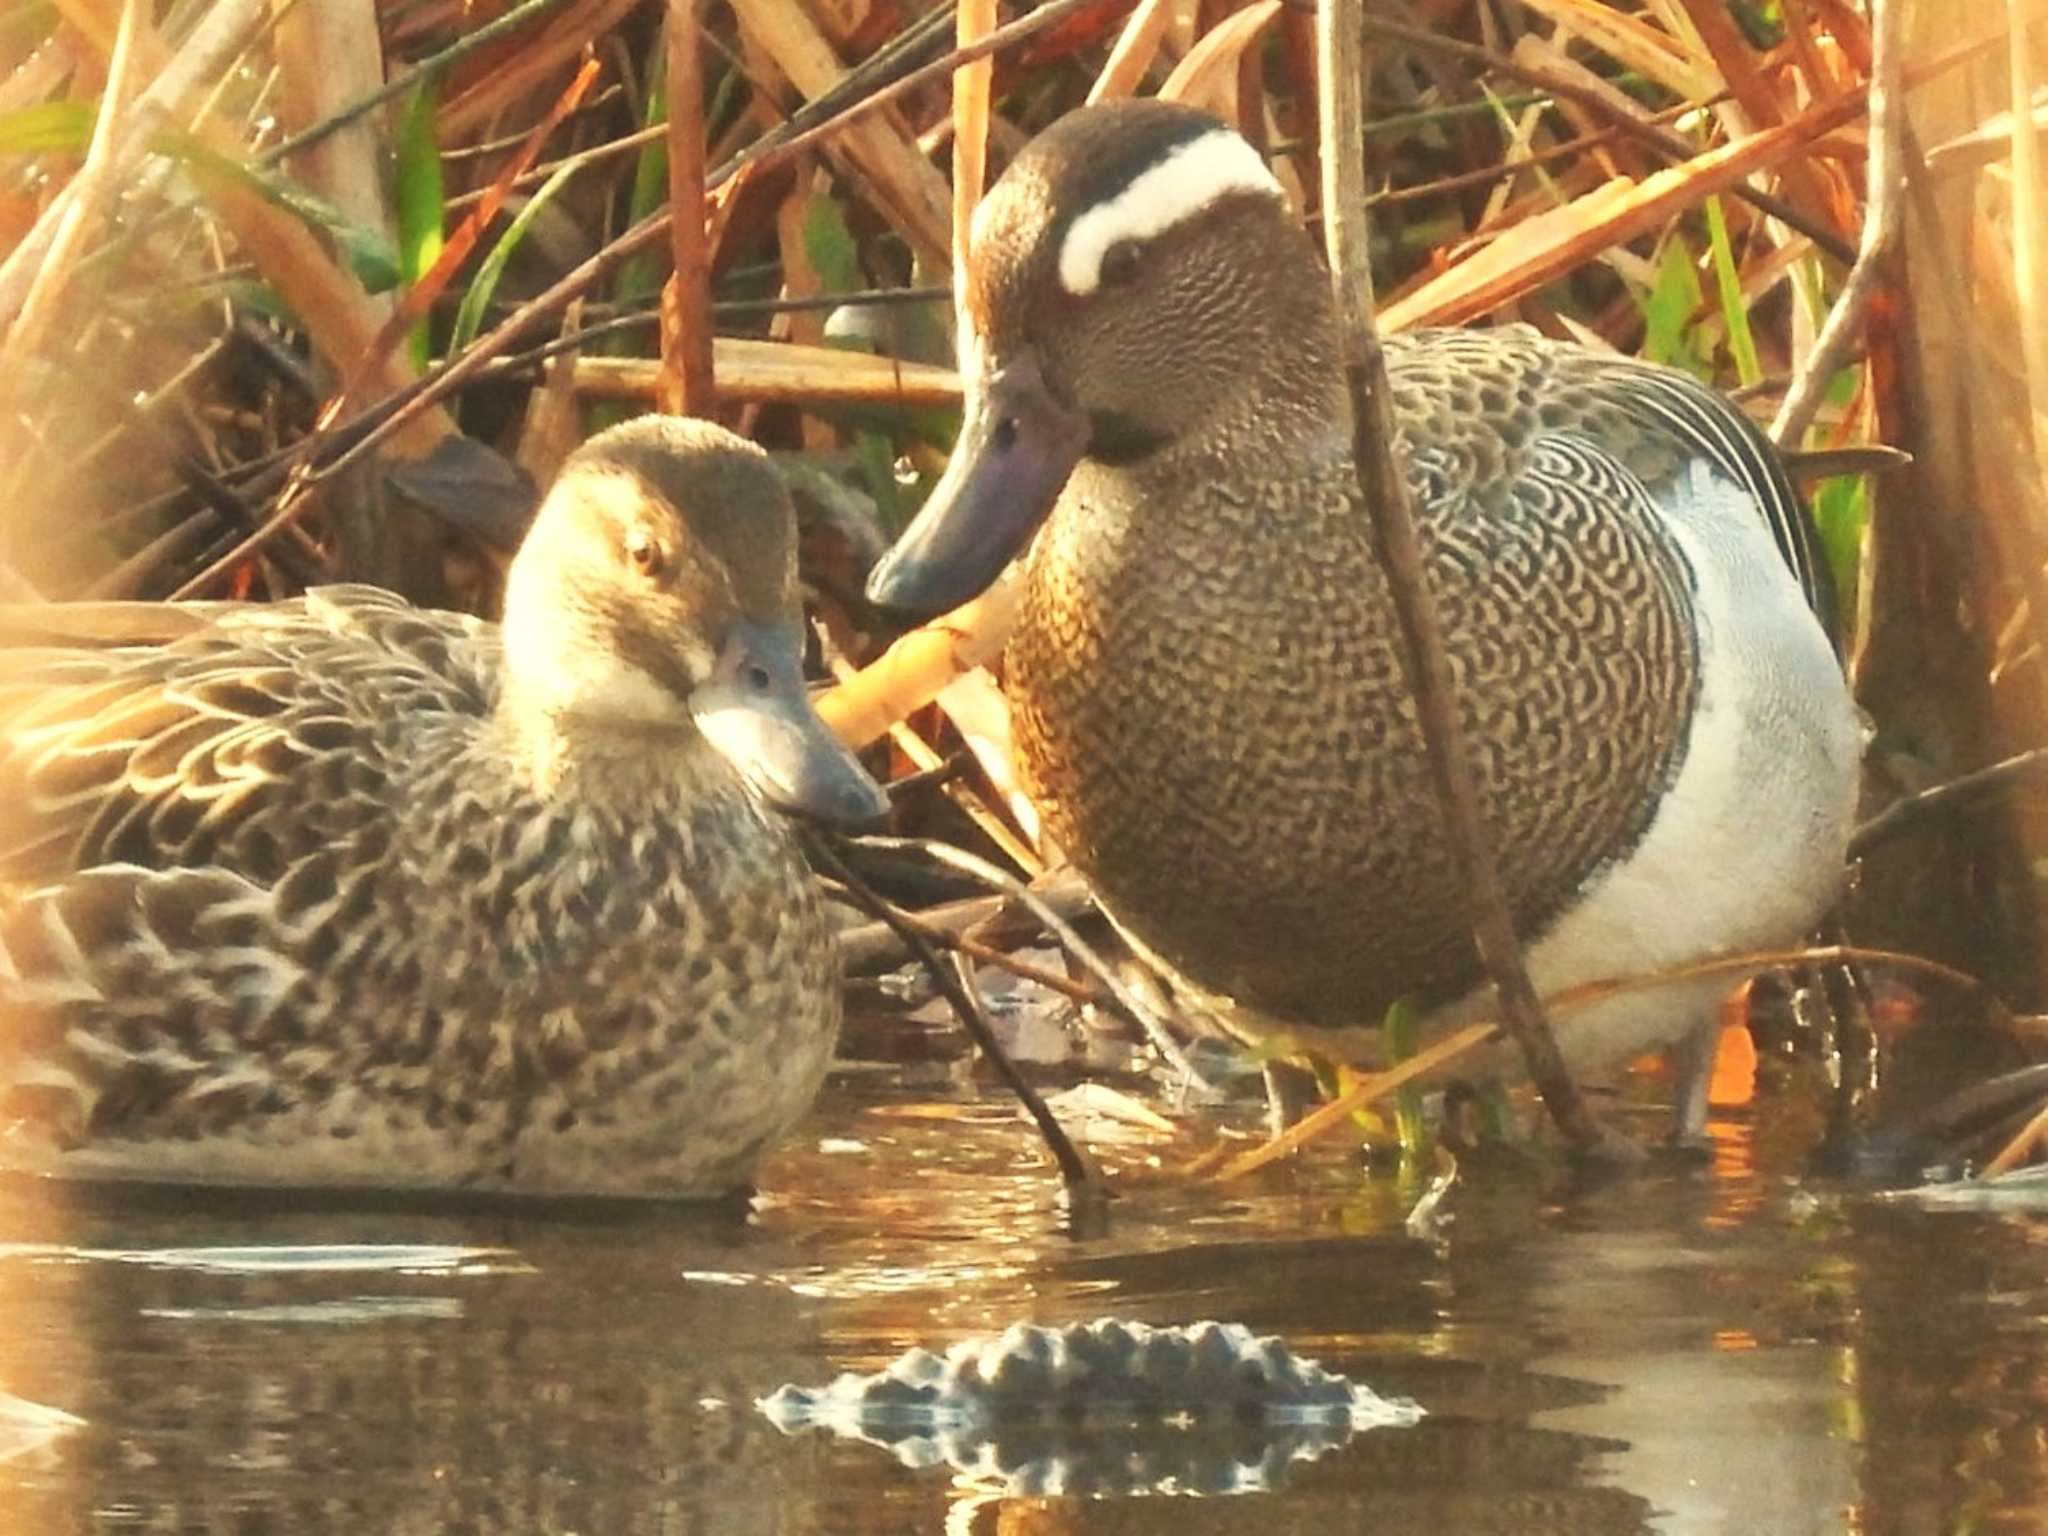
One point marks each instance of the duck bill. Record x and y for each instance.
(757, 712)
(1017, 446)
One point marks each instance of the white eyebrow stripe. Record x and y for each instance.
(1191, 177)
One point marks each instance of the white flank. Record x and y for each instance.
(1192, 177)
(1746, 851)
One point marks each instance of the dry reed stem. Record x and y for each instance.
(526, 68)
(341, 320)
(2030, 263)
(1738, 65)
(2033, 1134)
(1881, 229)
(39, 76)
(1207, 76)
(1634, 43)
(883, 162)
(415, 303)
(924, 758)
(782, 371)
(981, 714)
(1397, 546)
(913, 671)
(1667, 143)
(332, 56)
(685, 382)
(1543, 249)
(974, 21)
(800, 280)
(726, 180)
(80, 205)
(182, 77)
(1136, 46)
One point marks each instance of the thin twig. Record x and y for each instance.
(1075, 1170)
(959, 943)
(1121, 998)
(1901, 814)
(1881, 224)
(875, 944)
(1341, 67)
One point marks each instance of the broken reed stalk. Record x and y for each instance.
(1882, 221)
(971, 85)
(1076, 1172)
(1340, 58)
(687, 387)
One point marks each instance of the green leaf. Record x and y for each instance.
(1741, 343)
(469, 316)
(419, 199)
(875, 457)
(1668, 309)
(368, 253)
(642, 275)
(46, 126)
(1400, 1027)
(1841, 511)
(830, 246)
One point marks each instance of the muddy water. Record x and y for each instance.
(1699, 1349)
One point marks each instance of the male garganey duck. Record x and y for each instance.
(344, 892)
(1208, 698)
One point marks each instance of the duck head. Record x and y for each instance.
(1135, 284)
(658, 591)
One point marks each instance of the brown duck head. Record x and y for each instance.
(657, 592)
(1135, 285)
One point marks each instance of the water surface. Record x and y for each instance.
(1691, 1349)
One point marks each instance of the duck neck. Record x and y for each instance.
(559, 748)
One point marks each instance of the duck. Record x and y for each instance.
(1208, 699)
(341, 893)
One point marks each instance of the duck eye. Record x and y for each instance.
(1120, 263)
(645, 553)
(756, 678)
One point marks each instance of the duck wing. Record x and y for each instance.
(258, 737)
(1669, 408)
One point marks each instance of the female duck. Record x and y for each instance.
(344, 892)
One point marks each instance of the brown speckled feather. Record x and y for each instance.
(300, 898)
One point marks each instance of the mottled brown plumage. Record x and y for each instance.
(341, 891)
(1212, 716)
(1207, 692)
